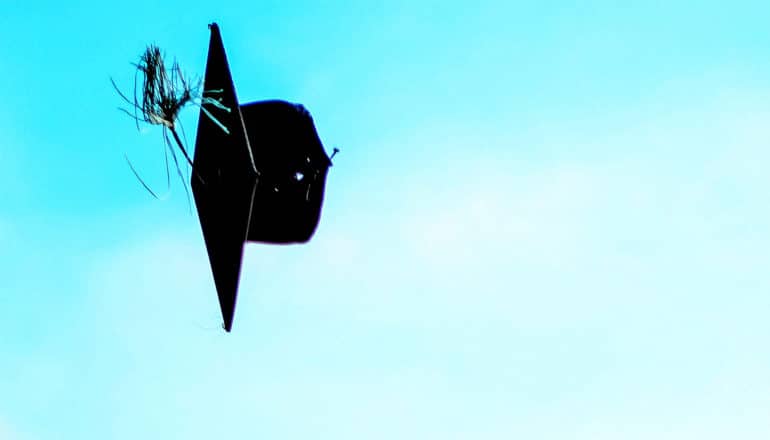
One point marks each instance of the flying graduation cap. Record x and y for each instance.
(259, 175)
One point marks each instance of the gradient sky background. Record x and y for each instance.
(547, 221)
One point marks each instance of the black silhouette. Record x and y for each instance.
(259, 172)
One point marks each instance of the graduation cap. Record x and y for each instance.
(259, 174)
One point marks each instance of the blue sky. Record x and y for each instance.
(548, 220)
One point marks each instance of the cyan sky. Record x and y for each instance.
(548, 220)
